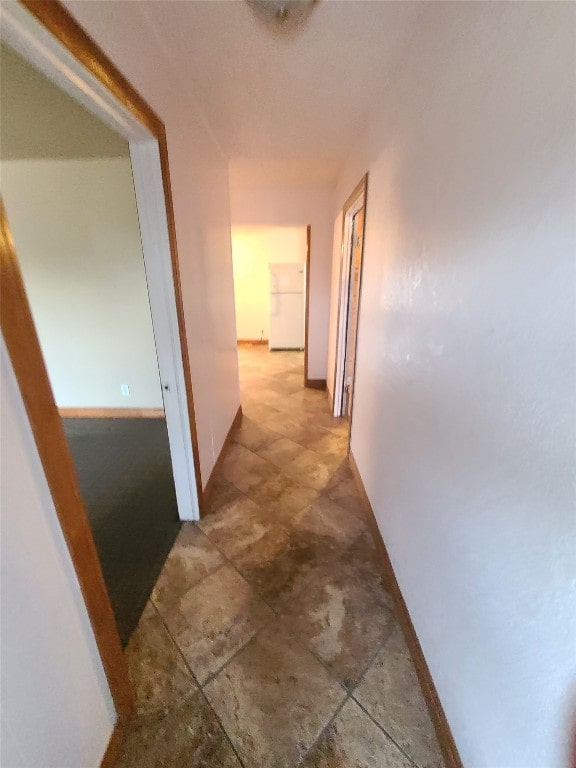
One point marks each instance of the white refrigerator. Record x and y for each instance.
(287, 306)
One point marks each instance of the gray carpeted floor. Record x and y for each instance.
(125, 477)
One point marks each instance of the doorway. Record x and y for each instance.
(44, 35)
(69, 196)
(353, 225)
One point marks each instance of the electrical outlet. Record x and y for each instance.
(125, 389)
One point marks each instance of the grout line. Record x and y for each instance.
(214, 675)
(385, 732)
(318, 739)
(198, 686)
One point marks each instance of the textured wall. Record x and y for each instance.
(463, 427)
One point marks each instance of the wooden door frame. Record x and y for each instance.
(26, 356)
(360, 192)
(307, 311)
(308, 382)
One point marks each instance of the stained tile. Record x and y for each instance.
(272, 564)
(281, 496)
(345, 493)
(391, 694)
(193, 557)
(342, 612)
(273, 700)
(244, 468)
(160, 679)
(326, 518)
(237, 526)
(353, 740)
(222, 493)
(189, 735)
(254, 436)
(213, 620)
(330, 445)
(312, 469)
(280, 452)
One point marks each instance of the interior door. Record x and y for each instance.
(352, 317)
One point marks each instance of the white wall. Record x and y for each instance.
(56, 707)
(298, 207)
(253, 250)
(199, 175)
(465, 394)
(75, 228)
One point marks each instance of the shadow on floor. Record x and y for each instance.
(125, 476)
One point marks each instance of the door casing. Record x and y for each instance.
(47, 36)
(355, 202)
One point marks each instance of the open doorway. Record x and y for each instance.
(69, 196)
(353, 222)
(271, 296)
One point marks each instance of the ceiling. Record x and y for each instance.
(39, 120)
(285, 108)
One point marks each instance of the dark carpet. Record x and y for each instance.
(125, 476)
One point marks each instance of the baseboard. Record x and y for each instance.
(445, 738)
(228, 439)
(111, 413)
(114, 747)
(251, 342)
(315, 383)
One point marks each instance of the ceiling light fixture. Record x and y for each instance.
(282, 15)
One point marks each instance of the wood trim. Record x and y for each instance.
(307, 310)
(237, 420)
(441, 726)
(362, 186)
(24, 350)
(115, 745)
(112, 413)
(316, 383)
(56, 19)
(251, 342)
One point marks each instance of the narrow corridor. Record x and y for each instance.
(270, 640)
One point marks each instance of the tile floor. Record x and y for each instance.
(269, 640)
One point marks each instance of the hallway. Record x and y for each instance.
(270, 640)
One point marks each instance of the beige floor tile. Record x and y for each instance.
(222, 492)
(342, 612)
(192, 557)
(327, 519)
(282, 497)
(280, 452)
(391, 694)
(352, 740)
(245, 469)
(190, 735)
(237, 526)
(311, 469)
(253, 436)
(213, 620)
(160, 679)
(273, 700)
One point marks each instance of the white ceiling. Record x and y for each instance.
(285, 109)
